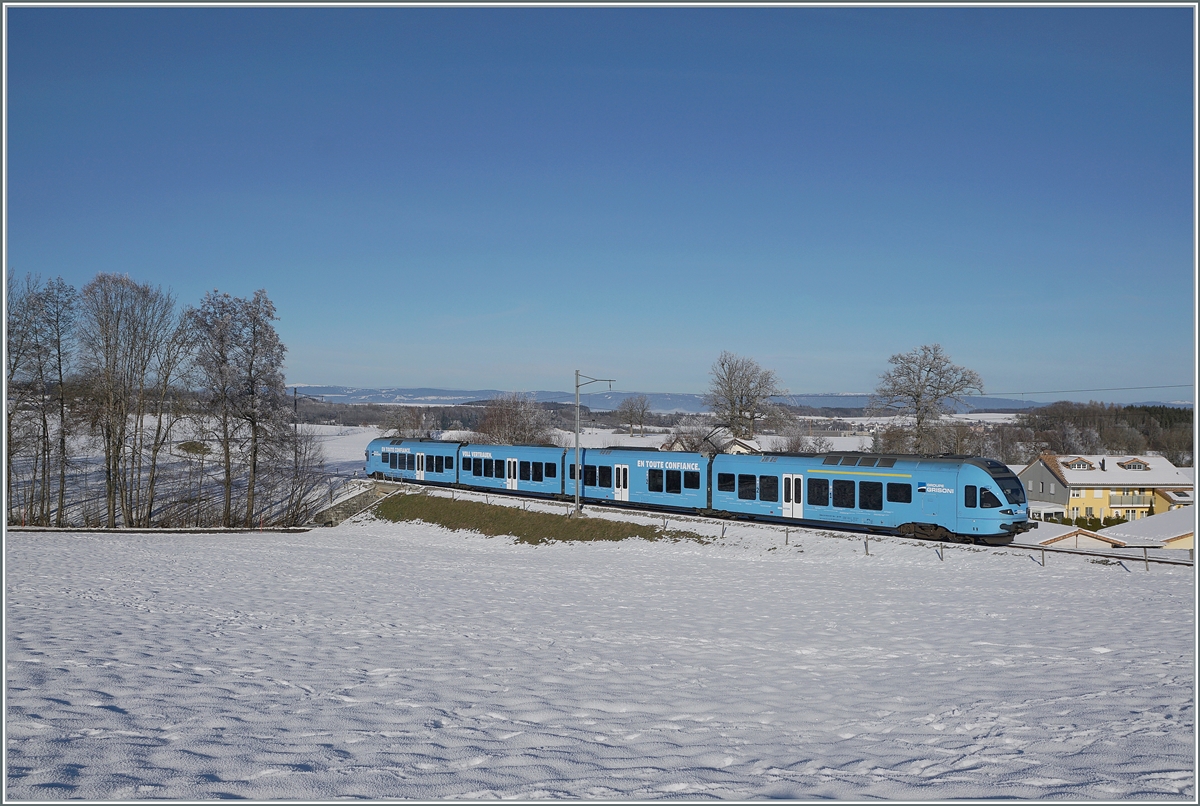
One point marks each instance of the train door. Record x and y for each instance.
(510, 480)
(420, 467)
(621, 482)
(793, 496)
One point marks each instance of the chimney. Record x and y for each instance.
(1101, 464)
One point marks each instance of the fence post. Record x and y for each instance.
(786, 534)
(1146, 557)
(866, 547)
(1043, 558)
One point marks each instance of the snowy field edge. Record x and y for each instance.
(381, 660)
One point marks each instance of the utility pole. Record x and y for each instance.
(578, 466)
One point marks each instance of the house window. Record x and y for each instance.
(1087, 511)
(1041, 486)
(1076, 493)
(1052, 488)
(1097, 493)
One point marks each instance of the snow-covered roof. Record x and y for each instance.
(1156, 528)
(1107, 471)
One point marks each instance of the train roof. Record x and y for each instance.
(992, 466)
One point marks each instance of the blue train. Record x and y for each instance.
(955, 498)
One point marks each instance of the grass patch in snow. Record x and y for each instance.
(528, 527)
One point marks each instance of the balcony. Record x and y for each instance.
(1130, 500)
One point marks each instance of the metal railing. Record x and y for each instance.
(1130, 500)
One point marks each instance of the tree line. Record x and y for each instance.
(125, 408)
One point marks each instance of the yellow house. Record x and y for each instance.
(1129, 487)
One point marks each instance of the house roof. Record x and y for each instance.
(1156, 528)
(1112, 541)
(1108, 472)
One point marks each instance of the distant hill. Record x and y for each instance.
(663, 402)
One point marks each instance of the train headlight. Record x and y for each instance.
(1006, 512)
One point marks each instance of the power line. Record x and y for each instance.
(1071, 391)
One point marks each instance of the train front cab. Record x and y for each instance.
(641, 476)
(531, 469)
(991, 502)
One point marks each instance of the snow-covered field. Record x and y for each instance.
(402, 660)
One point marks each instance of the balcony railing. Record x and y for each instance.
(1130, 500)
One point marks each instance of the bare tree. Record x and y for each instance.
(23, 301)
(216, 325)
(740, 393)
(633, 410)
(262, 398)
(919, 386)
(408, 422)
(515, 419)
(696, 433)
(798, 439)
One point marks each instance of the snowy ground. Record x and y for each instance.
(401, 660)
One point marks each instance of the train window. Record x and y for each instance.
(870, 495)
(571, 472)
(849, 460)
(969, 492)
(832, 460)
(988, 499)
(799, 482)
(725, 482)
(1011, 487)
(899, 493)
(537, 470)
(654, 480)
(787, 491)
(674, 481)
(818, 492)
(524, 471)
(551, 471)
(867, 462)
(605, 476)
(476, 467)
(691, 479)
(886, 463)
(390, 459)
(768, 488)
(747, 487)
(843, 493)
(589, 475)
(489, 468)
(501, 464)
(439, 464)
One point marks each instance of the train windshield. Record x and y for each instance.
(1012, 489)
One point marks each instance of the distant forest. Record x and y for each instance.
(1062, 428)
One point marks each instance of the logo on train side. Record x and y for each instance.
(665, 465)
(922, 487)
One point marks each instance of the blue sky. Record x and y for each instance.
(492, 198)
